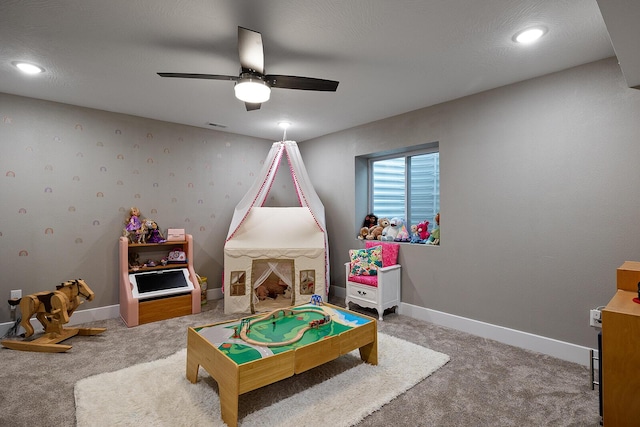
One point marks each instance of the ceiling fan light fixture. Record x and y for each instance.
(252, 90)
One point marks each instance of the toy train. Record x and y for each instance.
(320, 322)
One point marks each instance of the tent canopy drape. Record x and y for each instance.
(307, 196)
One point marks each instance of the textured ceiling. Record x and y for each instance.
(389, 56)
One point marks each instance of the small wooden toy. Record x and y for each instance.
(52, 309)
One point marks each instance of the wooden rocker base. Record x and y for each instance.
(48, 343)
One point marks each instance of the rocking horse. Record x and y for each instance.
(52, 309)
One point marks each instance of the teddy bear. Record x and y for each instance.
(261, 292)
(415, 236)
(271, 290)
(423, 230)
(391, 231)
(364, 232)
(376, 232)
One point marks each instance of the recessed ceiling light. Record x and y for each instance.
(529, 35)
(28, 68)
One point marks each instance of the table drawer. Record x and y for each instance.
(364, 292)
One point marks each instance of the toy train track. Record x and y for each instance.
(245, 326)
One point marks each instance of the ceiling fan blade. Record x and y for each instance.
(250, 50)
(301, 83)
(199, 76)
(251, 106)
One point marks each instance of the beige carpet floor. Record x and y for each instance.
(158, 393)
(485, 383)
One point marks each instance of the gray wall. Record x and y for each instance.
(69, 176)
(539, 199)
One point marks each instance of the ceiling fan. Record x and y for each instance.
(252, 85)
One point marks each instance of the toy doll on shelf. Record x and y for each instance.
(153, 233)
(370, 221)
(133, 229)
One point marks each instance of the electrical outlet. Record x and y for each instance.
(15, 294)
(594, 318)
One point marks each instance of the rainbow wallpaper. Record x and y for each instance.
(69, 176)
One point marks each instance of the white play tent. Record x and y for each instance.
(284, 244)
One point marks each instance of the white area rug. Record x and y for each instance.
(158, 393)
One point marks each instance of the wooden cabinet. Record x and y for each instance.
(134, 311)
(621, 351)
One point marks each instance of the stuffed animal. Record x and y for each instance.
(415, 236)
(403, 234)
(391, 231)
(261, 292)
(134, 260)
(434, 239)
(423, 230)
(364, 232)
(376, 232)
(271, 290)
(370, 221)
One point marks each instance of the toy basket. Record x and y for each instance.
(202, 280)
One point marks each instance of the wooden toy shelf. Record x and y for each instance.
(158, 267)
(135, 312)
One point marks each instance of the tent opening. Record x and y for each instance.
(272, 284)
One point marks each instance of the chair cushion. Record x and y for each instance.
(365, 280)
(365, 262)
(389, 251)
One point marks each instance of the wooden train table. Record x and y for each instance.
(246, 354)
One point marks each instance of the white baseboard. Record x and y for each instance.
(340, 293)
(93, 314)
(79, 317)
(215, 293)
(549, 346)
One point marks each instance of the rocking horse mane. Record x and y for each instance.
(68, 283)
(74, 289)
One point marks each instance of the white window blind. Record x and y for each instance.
(406, 186)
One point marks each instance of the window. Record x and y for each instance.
(307, 282)
(405, 185)
(238, 287)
